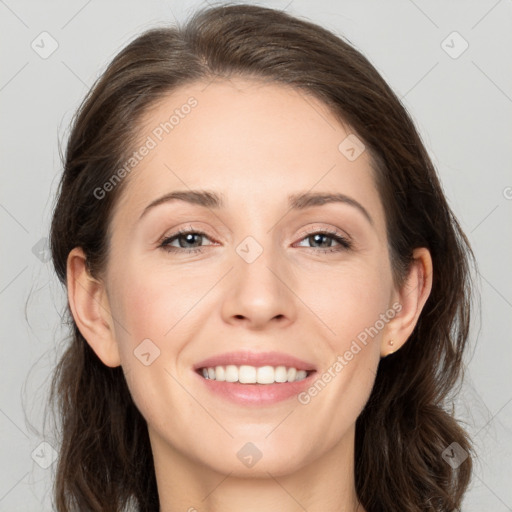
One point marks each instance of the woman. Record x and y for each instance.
(220, 359)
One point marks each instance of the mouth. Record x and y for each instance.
(254, 368)
(246, 374)
(250, 379)
(251, 386)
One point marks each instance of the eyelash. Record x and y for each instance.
(344, 243)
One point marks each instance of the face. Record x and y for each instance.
(259, 273)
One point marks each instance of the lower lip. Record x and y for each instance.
(257, 394)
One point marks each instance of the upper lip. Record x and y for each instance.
(255, 359)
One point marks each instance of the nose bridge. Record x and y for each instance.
(257, 264)
(258, 290)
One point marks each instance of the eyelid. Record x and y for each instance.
(316, 229)
(184, 231)
(326, 230)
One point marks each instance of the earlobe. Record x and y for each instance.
(90, 309)
(412, 297)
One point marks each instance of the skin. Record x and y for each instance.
(255, 143)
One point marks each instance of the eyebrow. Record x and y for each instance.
(301, 201)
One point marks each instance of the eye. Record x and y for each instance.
(325, 240)
(185, 239)
(190, 241)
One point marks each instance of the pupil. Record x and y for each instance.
(318, 237)
(189, 238)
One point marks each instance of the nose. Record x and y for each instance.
(260, 293)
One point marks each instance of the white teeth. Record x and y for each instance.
(219, 374)
(246, 374)
(266, 375)
(231, 373)
(280, 374)
(292, 373)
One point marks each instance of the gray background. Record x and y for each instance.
(462, 107)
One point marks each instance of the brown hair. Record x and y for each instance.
(105, 461)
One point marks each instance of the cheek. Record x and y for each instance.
(150, 303)
(158, 309)
(355, 307)
(147, 307)
(348, 299)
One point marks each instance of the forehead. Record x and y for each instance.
(249, 140)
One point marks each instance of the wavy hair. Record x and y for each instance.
(105, 462)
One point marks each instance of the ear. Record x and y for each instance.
(409, 302)
(89, 306)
